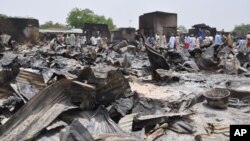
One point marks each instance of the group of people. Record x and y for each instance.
(80, 41)
(77, 41)
(175, 42)
(157, 40)
(244, 43)
(191, 42)
(69, 40)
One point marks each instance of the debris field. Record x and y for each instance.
(124, 91)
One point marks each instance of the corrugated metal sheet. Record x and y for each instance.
(44, 108)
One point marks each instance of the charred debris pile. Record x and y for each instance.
(68, 94)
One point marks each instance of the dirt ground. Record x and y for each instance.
(203, 115)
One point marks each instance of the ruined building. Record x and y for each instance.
(207, 30)
(123, 34)
(20, 29)
(158, 22)
(91, 29)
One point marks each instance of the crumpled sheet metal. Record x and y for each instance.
(105, 129)
(8, 74)
(41, 110)
(157, 61)
(117, 137)
(182, 127)
(126, 122)
(103, 124)
(117, 86)
(191, 66)
(177, 57)
(206, 60)
(164, 75)
(120, 45)
(8, 68)
(98, 123)
(5, 39)
(76, 132)
(95, 75)
(7, 59)
(243, 58)
(28, 83)
(150, 120)
(124, 105)
(147, 106)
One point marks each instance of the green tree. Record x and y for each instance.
(182, 28)
(77, 17)
(51, 25)
(241, 30)
(3, 15)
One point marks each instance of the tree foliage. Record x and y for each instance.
(51, 25)
(77, 17)
(182, 28)
(3, 15)
(241, 30)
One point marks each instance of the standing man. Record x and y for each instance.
(172, 41)
(211, 38)
(151, 40)
(99, 41)
(72, 40)
(242, 45)
(138, 41)
(187, 42)
(77, 43)
(207, 40)
(197, 42)
(93, 40)
(201, 35)
(67, 40)
(178, 42)
(164, 41)
(248, 42)
(229, 41)
(82, 41)
(192, 42)
(157, 39)
(218, 39)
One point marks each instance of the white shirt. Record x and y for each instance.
(172, 42)
(211, 38)
(72, 40)
(157, 37)
(192, 42)
(163, 42)
(207, 40)
(78, 42)
(93, 40)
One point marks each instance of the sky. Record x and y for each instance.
(222, 14)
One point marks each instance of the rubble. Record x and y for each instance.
(157, 61)
(76, 131)
(120, 92)
(43, 108)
